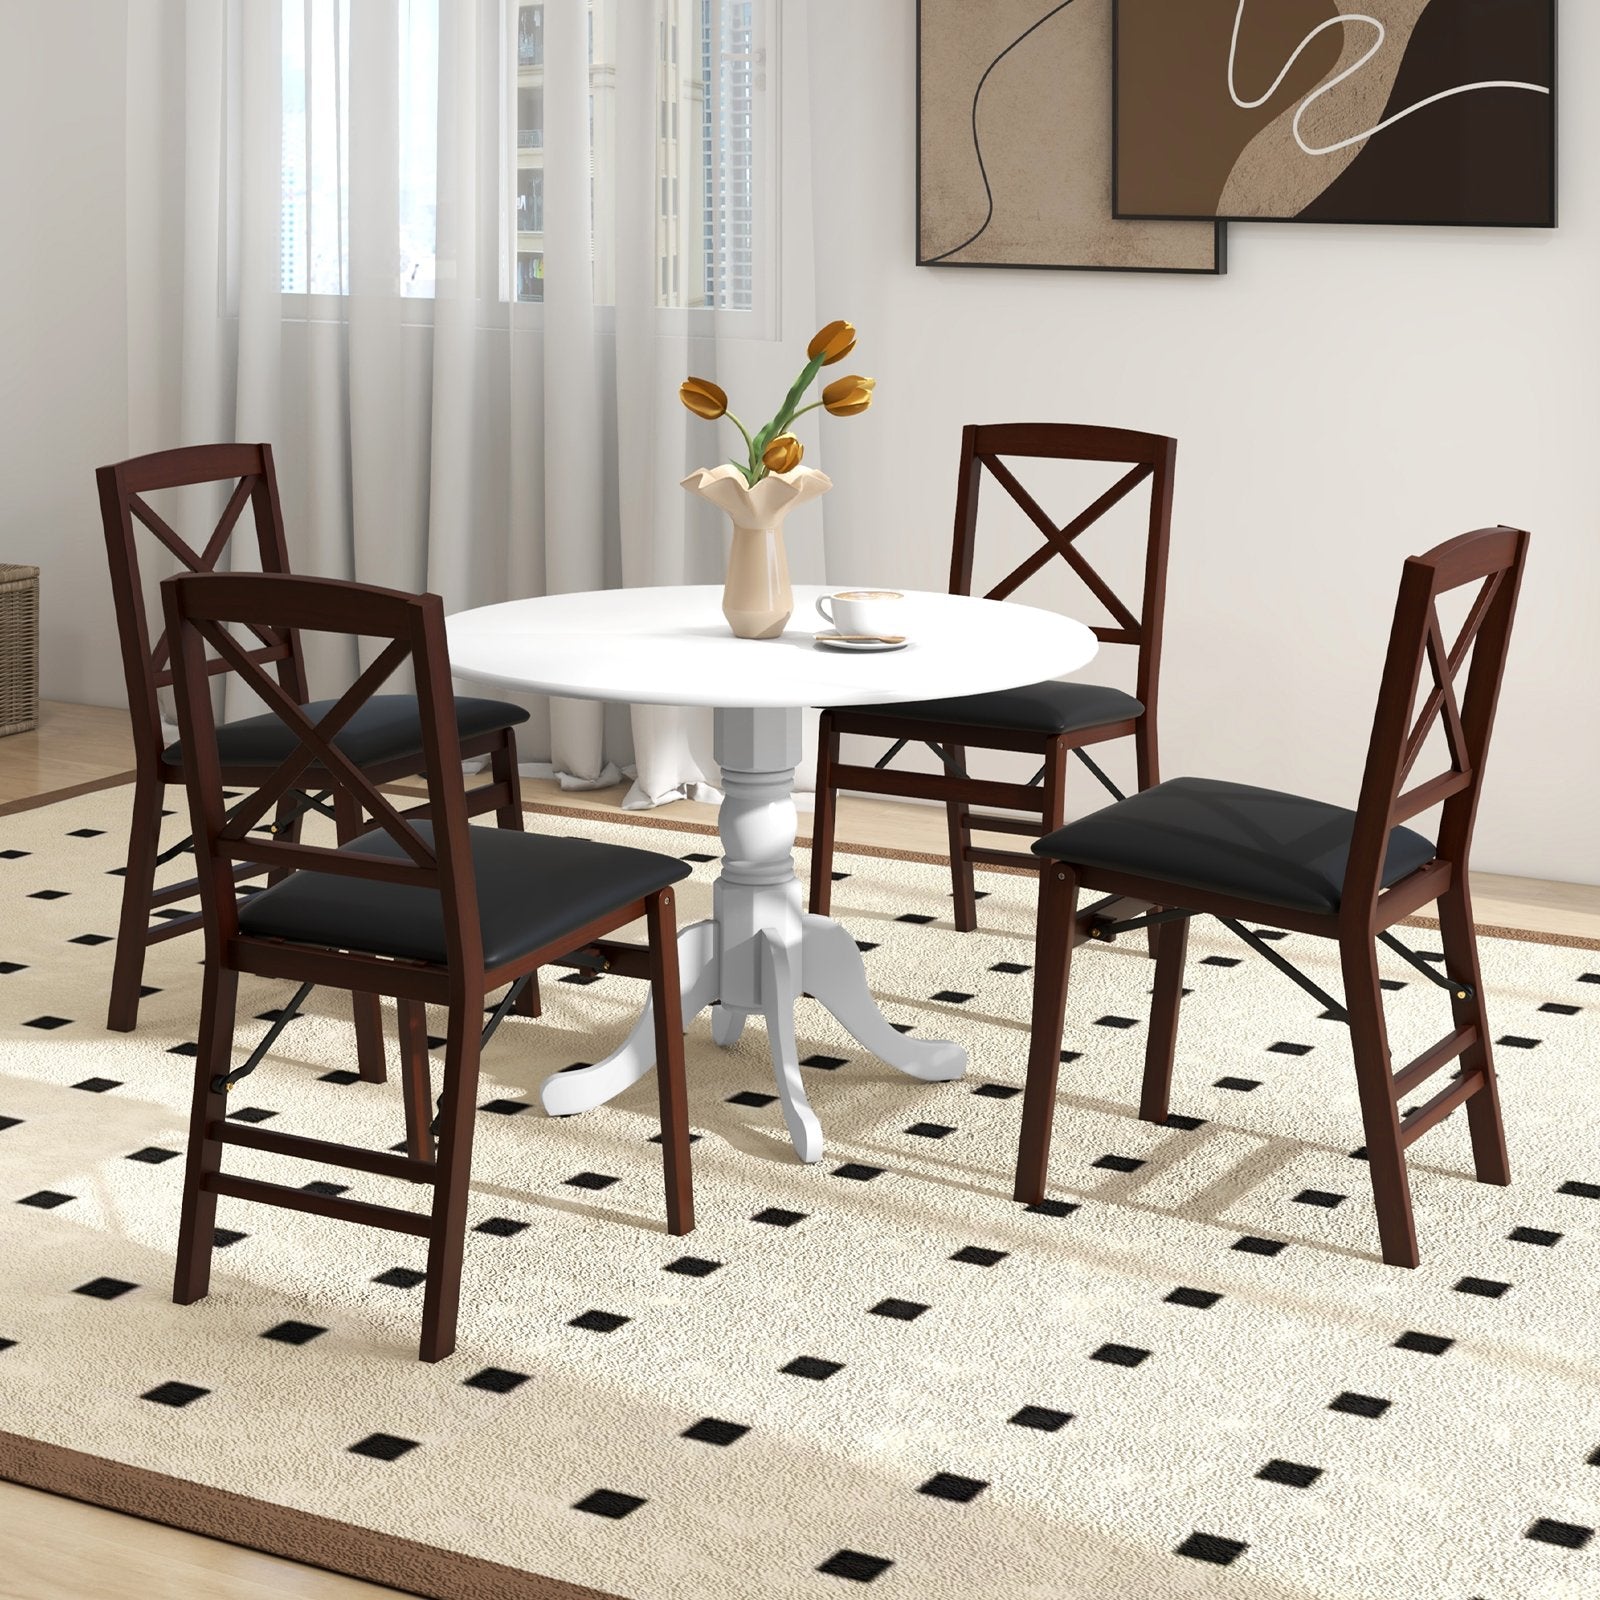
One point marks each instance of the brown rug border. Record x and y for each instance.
(262, 1525)
(346, 1548)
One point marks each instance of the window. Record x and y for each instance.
(715, 152)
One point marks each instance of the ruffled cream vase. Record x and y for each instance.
(756, 598)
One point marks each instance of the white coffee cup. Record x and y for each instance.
(869, 613)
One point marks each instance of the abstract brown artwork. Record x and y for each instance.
(1379, 111)
(1014, 144)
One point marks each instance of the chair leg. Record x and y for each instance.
(1147, 771)
(198, 1217)
(138, 885)
(1171, 940)
(416, 1079)
(1460, 943)
(447, 1235)
(1380, 1115)
(1052, 960)
(667, 1003)
(824, 818)
(366, 1009)
(963, 887)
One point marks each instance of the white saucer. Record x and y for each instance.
(861, 641)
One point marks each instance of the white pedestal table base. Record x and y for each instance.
(760, 952)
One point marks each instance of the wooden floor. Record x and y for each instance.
(54, 1549)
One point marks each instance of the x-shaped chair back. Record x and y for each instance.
(1491, 558)
(124, 511)
(200, 609)
(1149, 458)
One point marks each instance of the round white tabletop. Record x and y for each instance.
(673, 647)
(759, 952)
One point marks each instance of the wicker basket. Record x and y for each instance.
(19, 649)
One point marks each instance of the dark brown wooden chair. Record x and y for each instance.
(1049, 720)
(430, 912)
(1195, 847)
(384, 738)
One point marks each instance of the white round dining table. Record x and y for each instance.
(760, 951)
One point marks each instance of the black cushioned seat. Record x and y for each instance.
(1229, 839)
(532, 888)
(386, 728)
(1047, 707)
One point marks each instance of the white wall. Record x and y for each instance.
(63, 319)
(1343, 398)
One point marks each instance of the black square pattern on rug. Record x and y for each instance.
(930, 1130)
(323, 1187)
(1486, 1288)
(496, 1380)
(500, 1227)
(863, 945)
(825, 1063)
(292, 1332)
(1359, 1405)
(1052, 1208)
(1040, 1417)
(1556, 1009)
(1325, 1198)
(777, 1217)
(812, 1367)
(1254, 1245)
(1113, 1163)
(174, 1394)
(1569, 1535)
(14, 855)
(251, 1114)
(1285, 1047)
(1212, 1547)
(85, 833)
(855, 1565)
(1533, 1236)
(1425, 1344)
(599, 1321)
(58, 894)
(1242, 1085)
(91, 939)
(183, 1050)
(339, 1075)
(953, 1486)
(1200, 1299)
(997, 1091)
(916, 917)
(223, 1237)
(1220, 961)
(105, 1288)
(1583, 1191)
(898, 1310)
(1518, 1041)
(8, 1344)
(383, 1446)
(1294, 1473)
(45, 1199)
(692, 1266)
(401, 1277)
(952, 997)
(47, 1023)
(858, 1170)
(152, 1154)
(1187, 1124)
(713, 1430)
(9, 1122)
(8, 967)
(1012, 967)
(977, 1255)
(1111, 1020)
(748, 1097)
(1120, 1355)
(505, 1108)
(609, 1503)
(589, 1180)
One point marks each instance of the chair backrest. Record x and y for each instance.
(123, 509)
(200, 609)
(1148, 457)
(1491, 558)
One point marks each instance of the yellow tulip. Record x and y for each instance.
(703, 398)
(783, 454)
(832, 343)
(848, 397)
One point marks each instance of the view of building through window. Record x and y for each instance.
(710, 75)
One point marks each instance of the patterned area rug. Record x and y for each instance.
(1186, 1374)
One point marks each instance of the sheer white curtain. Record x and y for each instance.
(459, 438)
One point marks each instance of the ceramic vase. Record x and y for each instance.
(756, 598)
